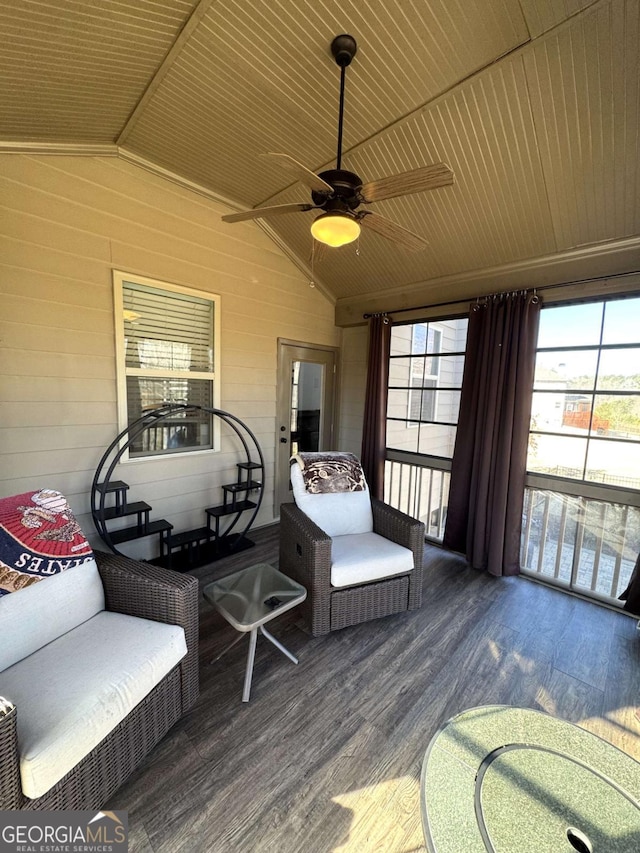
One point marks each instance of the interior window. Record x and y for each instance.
(167, 354)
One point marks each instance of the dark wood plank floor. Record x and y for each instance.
(327, 755)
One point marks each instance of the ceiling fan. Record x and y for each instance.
(339, 193)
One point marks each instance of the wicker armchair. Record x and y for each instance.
(136, 589)
(305, 554)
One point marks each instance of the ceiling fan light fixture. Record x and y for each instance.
(335, 228)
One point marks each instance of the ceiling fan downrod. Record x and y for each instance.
(343, 48)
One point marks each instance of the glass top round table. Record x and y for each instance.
(506, 779)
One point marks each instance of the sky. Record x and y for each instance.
(581, 325)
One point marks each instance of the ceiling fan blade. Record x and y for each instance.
(301, 172)
(260, 212)
(415, 181)
(386, 228)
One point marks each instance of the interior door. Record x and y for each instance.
(306, 401)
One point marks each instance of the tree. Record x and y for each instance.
(622, 413)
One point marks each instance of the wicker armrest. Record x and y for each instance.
(141, 589)
(10, 789)
(399, 527)
(305, 556)
(404, 530)
(305, 549)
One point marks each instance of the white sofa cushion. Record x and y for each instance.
(34, 616)
(338, 514)
(72, 692)
(367, 557)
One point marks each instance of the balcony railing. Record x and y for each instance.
(581, 536)
(419, 486)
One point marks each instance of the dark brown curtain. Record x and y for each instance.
(631, 595)
(484, 516)
(374, 434)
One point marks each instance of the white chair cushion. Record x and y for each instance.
(71, 693)
(34, 616)
(367, 557)
(338, 514)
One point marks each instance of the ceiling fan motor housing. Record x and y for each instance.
(345, 190)
(343, 48)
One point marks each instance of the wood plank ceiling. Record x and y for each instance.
(533, 103)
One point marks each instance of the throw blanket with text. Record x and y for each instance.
(39, 537)
(326, 473)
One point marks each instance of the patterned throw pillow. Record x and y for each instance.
(330, 472)
(39, 537)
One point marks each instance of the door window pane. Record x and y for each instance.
(306, 405)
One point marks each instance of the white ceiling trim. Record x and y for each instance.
(150, 166)
(81, 149)
(88, 149)
(624, 283)
(176, 48)
(616, 257)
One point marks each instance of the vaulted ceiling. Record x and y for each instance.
(534, 104)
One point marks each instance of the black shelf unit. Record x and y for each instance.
(186, 549)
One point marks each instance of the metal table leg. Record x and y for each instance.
(278, 644)
(233, 643)
(253, 637)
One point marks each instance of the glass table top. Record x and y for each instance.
(498, 778)
(254, 595)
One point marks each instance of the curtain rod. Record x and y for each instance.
(471, 298)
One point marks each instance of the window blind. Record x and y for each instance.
(166, 330)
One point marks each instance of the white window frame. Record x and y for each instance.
(122, 371)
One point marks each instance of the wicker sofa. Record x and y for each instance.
(136, 589)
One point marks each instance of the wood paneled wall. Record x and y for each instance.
(65, 223)
(353, 383)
